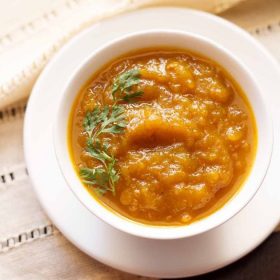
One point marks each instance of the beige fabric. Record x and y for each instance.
(32, 31)
(262, 19)
(255, 15)
(30, 246)
(49, 265)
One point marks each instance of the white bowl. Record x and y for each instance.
(181, 40)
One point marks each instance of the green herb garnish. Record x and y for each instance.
(107, 120)
(123, 84)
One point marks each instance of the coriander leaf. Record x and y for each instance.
(101, 191)
(124, 82)
(114, 176)
(91, 119)
(131, 96)
(98, 177)
(111, 122)
(107, 120)
(95, 153)
(115, 129)
(98, 152)
(86, 173)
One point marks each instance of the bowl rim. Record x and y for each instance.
(120, 222)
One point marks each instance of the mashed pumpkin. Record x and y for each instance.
(189, 142)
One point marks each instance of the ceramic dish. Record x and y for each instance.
(157, 258)
(171, 39)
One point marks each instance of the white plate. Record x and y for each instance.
(185, 257)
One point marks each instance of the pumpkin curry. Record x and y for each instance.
(162, 137)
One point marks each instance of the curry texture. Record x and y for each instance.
(189, 143)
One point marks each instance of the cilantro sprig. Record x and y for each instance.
(107, 120)
(123, 85)
(104, 120)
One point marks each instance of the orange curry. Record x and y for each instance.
(162, 137)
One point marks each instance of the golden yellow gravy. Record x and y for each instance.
(190, 140)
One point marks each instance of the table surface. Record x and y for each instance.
(30, 245)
